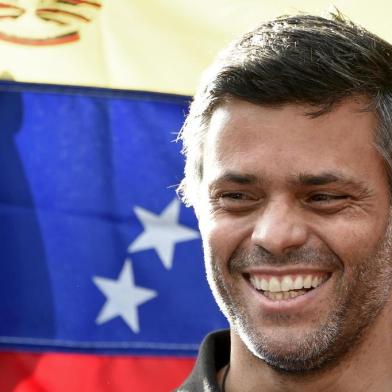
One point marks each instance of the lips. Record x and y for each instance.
(286, 286)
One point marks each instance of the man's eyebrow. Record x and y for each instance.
(238, 178)
(303, 179)
(327, 178)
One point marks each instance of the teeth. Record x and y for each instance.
(294, 294)
(286, 283)
(284, 295)
(264, 284)
(255, 282)
(308, 282)
(274, 285)
(316, 281)
(299, 282)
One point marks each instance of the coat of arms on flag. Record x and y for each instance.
(45, 22)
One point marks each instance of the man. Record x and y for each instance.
(288, 150)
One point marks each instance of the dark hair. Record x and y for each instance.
(300, 59)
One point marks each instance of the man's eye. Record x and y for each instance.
(326, 198)
(233, 196)
(235, 201)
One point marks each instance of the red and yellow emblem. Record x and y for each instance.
(45, 22)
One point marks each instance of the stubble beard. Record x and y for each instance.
(356, 304)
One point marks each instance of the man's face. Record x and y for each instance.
(294, 217)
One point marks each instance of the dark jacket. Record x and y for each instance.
(214, 353)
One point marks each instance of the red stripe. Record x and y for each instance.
(26, 372)
(5, 5)
(63, 12)
(77, 2)
(40, 42)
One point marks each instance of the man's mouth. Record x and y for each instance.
(285, 287)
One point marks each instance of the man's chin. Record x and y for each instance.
(293, 360)
(292, 365)
(291, 352)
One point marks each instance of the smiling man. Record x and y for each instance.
(288, 150)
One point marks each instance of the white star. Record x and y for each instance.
(161, 232)
(123, 297)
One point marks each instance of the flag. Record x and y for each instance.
(103, 285)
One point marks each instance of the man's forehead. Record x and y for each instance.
(234, 118)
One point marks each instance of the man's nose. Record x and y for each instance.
(280, 228)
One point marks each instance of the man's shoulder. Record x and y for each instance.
(214, 353)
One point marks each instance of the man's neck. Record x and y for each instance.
(367, 368)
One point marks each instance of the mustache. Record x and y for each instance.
(260, 257)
